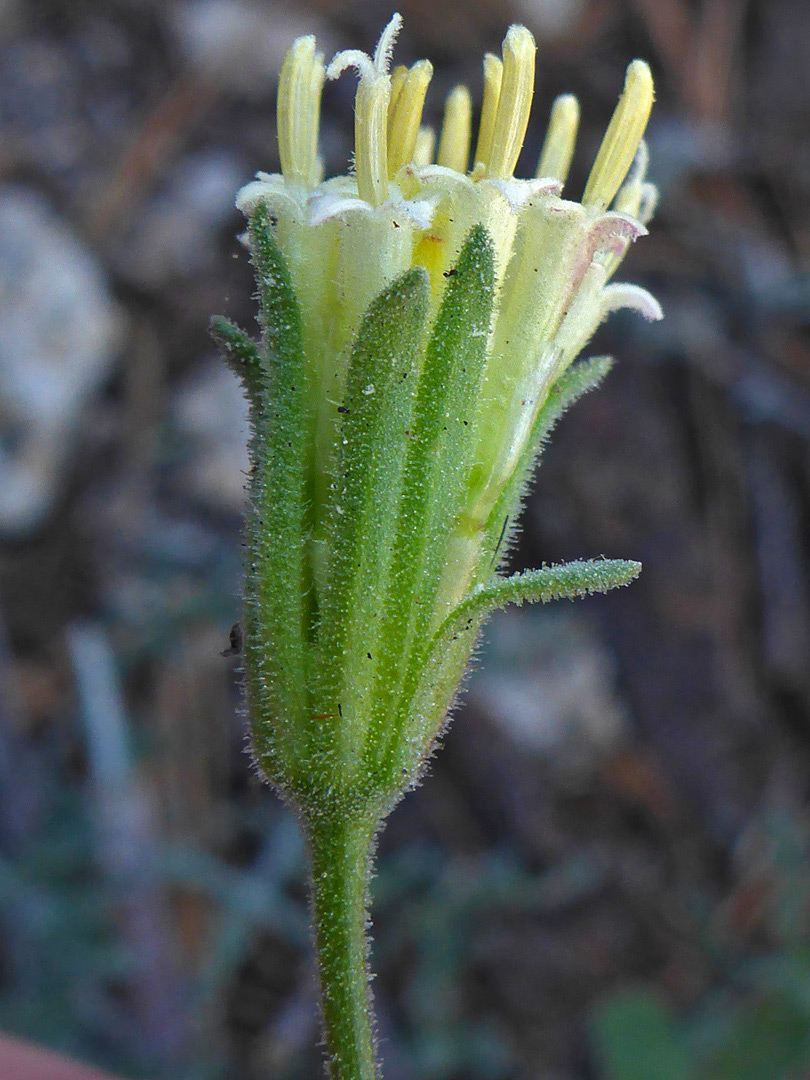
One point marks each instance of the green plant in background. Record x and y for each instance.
(419, 326)
(759, 1029)
(756, 1024)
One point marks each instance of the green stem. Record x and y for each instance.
(341, 866)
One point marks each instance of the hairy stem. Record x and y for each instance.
(341, 866)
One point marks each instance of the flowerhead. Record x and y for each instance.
(412, 199)
(419, 316)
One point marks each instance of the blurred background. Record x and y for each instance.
(606, 875)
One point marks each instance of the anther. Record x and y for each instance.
(406, 116)
(398, 77)
(298, 107)
(424, 147)
(493, 75)
(454, 144)
(561, 137)
(628, 197)
(621, 139)
(514, 102)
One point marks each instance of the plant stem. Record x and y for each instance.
(341, 866)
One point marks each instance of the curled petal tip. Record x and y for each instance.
(624, 295)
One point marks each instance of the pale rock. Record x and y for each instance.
(59, 334)
(210, 413)
(240, 44)
(550, 682)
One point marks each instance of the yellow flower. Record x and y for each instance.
(347, 238)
